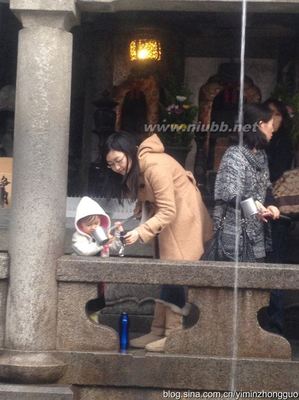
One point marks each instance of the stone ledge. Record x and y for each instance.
(44, 5)
(192, 274)
(107, 393)
(140, 369)
(30, 367)
(4, 262)
(279, 6)
(35, 392)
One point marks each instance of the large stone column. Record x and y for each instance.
(37, 225)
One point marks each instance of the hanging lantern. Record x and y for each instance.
(145, 49)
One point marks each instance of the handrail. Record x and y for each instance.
(188, 273)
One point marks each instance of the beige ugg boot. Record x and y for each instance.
(157, 328)
(173, 322)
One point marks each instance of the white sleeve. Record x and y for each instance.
(84, 247)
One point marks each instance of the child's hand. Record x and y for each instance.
(118, 226)
(111, 238)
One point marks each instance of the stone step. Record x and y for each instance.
(35, 392)
(141, 369)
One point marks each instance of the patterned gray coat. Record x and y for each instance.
(241, 170)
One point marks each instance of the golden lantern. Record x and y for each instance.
(145, 49)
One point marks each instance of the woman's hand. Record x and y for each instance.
(131, 237)
(271, 212)
(266, 213)
(274, 211)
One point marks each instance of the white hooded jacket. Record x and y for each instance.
(82, 243)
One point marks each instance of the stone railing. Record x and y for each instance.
(197, 358)
(201, 356)
(210, 289)
(4, 261)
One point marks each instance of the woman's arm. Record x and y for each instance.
(160, 181)
(231, 177)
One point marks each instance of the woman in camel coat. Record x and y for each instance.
(172, 210)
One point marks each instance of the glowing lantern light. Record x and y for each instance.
(145, 49)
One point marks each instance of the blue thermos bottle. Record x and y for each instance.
(123, 332)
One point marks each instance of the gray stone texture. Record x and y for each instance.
(38, 13)
(102, 393)
(186, 5)
(213, 335)
(143, 370)
(34, 392)
(74, 329)
(192, 274)
(37, 223)
(30, 367)
(211, 292)
(44, 5)
(4, 261)
(3, 300)
(39, 184)
(3, 294)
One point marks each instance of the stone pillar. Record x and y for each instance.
(37, 225)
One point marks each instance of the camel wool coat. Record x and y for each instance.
(180, 218)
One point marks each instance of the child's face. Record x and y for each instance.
(89, 227)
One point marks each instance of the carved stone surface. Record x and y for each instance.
(46, 5)
(139, 369)
(35, 392)
(193, 274)
(74, 329)
(3, 298)
(41, 130)
(186, 5)
(30, 367)
(211, 291)
(213, 334)
(65, 18)
(103, 393)
(132, 305)
(4, 259)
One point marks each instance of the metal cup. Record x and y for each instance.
(100, 236)
(121, 236)
(249, 207)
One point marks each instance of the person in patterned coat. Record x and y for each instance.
(244, 173)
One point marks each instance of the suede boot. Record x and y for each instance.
(173, 322)
(157, 328)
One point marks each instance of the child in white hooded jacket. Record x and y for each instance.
(90, 215)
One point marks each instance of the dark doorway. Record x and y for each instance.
(134, 113)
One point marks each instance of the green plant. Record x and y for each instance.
(177, 115)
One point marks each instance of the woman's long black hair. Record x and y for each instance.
(282, 109)
(122, 186)
(255, 113)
